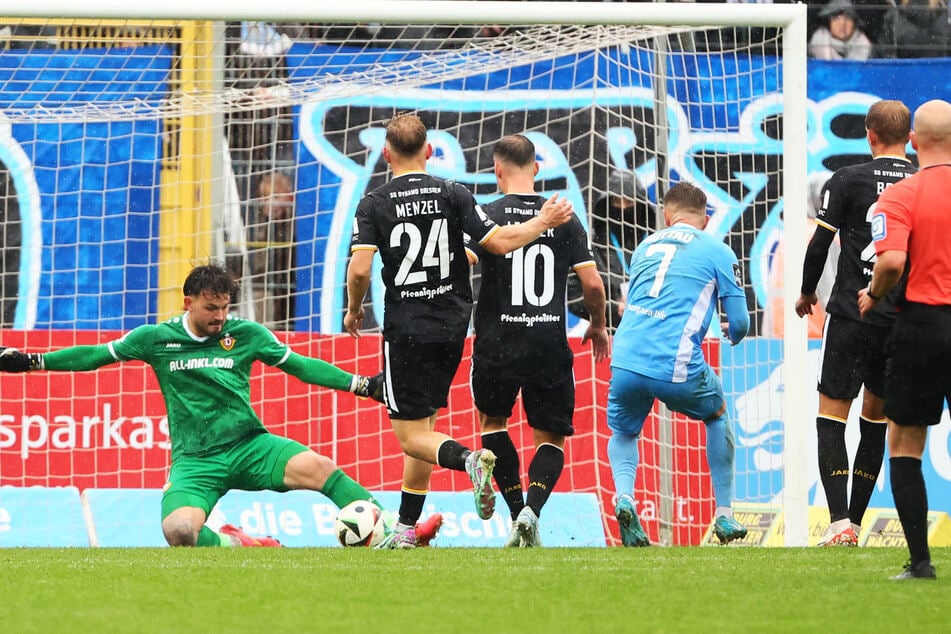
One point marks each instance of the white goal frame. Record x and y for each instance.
(790, 18)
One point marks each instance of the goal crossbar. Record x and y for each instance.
(424, 12)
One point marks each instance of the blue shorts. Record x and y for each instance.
(631, 397)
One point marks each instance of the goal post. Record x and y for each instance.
(141, 139)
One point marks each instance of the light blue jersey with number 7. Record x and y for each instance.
(677, 276)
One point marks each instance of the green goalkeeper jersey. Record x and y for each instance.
(205, 380)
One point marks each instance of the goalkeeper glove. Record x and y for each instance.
(12, 360)
(369, 387)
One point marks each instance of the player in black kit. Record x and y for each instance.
(521, 342)
(852, 348)
(417, 223)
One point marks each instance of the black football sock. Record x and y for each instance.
(865, 469)
(507, 468)
(411, 506)
(543, 474)
(452, 455)
(911, 502)
(833, 466)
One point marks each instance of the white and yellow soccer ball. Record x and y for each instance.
(360, 523)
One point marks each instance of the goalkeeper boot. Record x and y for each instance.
(400, 537)
(526, 524)
(728, 529)
(479, 465)
(632, 533)
(426, 530)
(240, 538)
(920, 570)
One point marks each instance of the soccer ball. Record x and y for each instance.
(360, 523)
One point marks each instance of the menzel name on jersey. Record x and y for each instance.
(197, 364)
(417, 208)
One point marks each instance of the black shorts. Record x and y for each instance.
(418, 376)
(918, 374)
(549, 401)
(852, 355)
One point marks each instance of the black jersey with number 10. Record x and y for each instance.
(848, 201)
(520, 315)
(417, 223)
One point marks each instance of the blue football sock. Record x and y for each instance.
(624, 458)
(720, 452)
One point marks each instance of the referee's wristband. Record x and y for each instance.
(868, 291)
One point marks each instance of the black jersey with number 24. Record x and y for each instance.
(417, 223)
(848, 201)
(520, 316)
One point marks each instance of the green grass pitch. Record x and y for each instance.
(468, 590)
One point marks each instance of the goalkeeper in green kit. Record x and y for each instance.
(202, 361)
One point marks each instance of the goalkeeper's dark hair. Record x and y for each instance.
(515, 149)
(211, 278)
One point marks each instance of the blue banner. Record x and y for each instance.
(130, 517)
(87, 188)
(752, 374)
(42, 516)
(341, 139)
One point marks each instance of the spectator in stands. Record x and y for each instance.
(620, 219)
(263, 39)
(839, 38)
(28, 36)
(722, 39)
(271, 234)
(869, 18)
(915, 28)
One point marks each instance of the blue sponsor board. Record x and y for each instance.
(753, 382)
(42, 516)
(130, 517)
(125, 518)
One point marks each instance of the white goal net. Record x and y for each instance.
(135, 144)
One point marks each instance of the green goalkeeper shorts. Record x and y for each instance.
(254, 464)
